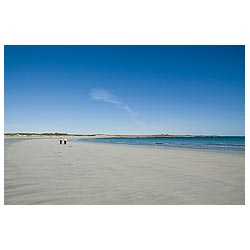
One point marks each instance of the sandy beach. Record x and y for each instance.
(41, 171)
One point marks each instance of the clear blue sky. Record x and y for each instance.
(125, 89)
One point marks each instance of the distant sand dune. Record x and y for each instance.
(41, 171)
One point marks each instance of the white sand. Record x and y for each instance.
(41, 171)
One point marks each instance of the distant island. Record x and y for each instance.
(56, 134)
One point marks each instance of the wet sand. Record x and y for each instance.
(41, 171)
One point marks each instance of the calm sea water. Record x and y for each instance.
(226, 144)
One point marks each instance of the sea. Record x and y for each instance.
(225, 144)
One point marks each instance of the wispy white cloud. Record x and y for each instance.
(99, 94)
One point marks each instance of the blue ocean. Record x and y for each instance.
(225, 144)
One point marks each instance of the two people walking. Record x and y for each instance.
(63, 140)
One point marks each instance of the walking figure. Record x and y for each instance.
(61, 140)
(65, 141)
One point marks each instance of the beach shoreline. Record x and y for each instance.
(103, 136)
(43, 172)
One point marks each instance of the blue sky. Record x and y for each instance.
(125, 89)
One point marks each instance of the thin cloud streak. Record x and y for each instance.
(99, 94)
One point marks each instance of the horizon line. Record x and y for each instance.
(91, 134)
